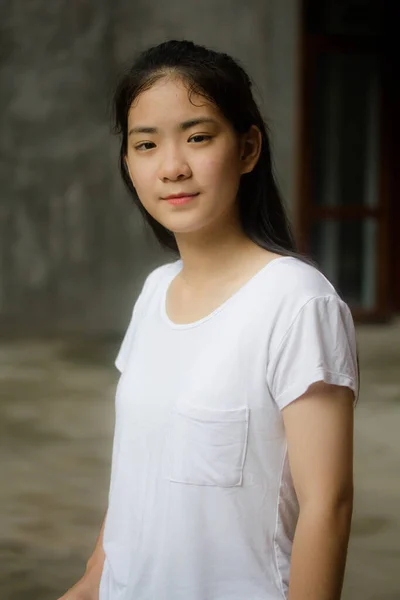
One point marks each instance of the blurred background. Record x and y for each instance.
(74, 252)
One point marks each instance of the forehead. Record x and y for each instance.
(167, 101)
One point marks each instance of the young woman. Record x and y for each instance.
(232, 469)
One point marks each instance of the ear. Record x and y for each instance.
(251, 144)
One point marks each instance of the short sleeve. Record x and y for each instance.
(319, 345)
(124, 350)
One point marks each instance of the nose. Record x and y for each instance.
(174, 166)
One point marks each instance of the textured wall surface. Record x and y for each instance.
(73, 251)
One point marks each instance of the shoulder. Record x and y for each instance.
(158, 275)
(303, 295)
(148, 289)
(296, 279)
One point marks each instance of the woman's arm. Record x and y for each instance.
(87, 588)
(98, 556)
(319, 430)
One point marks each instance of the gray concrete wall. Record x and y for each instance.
(73, 251)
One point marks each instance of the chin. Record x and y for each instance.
(178, 226)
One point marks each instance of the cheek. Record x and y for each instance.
(219, 168)
(140, 174)
(141, 179)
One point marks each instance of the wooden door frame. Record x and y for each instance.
(305, 213)
(392, 116)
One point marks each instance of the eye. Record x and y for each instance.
(200, 138)
(145, 146)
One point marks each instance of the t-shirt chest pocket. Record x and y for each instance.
(207, 446)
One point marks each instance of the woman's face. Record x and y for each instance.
(175, 147)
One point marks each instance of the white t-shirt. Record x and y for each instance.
(202, 504)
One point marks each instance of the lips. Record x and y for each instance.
(180, 195)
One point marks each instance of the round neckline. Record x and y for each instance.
(219, 308)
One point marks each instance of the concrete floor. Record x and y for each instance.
(56, 421)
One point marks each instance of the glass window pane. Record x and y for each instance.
(345, 123)
(346, 253)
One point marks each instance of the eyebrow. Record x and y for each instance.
(183, 126)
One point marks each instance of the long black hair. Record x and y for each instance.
(220, 79)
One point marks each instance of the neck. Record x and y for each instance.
(207, 261)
